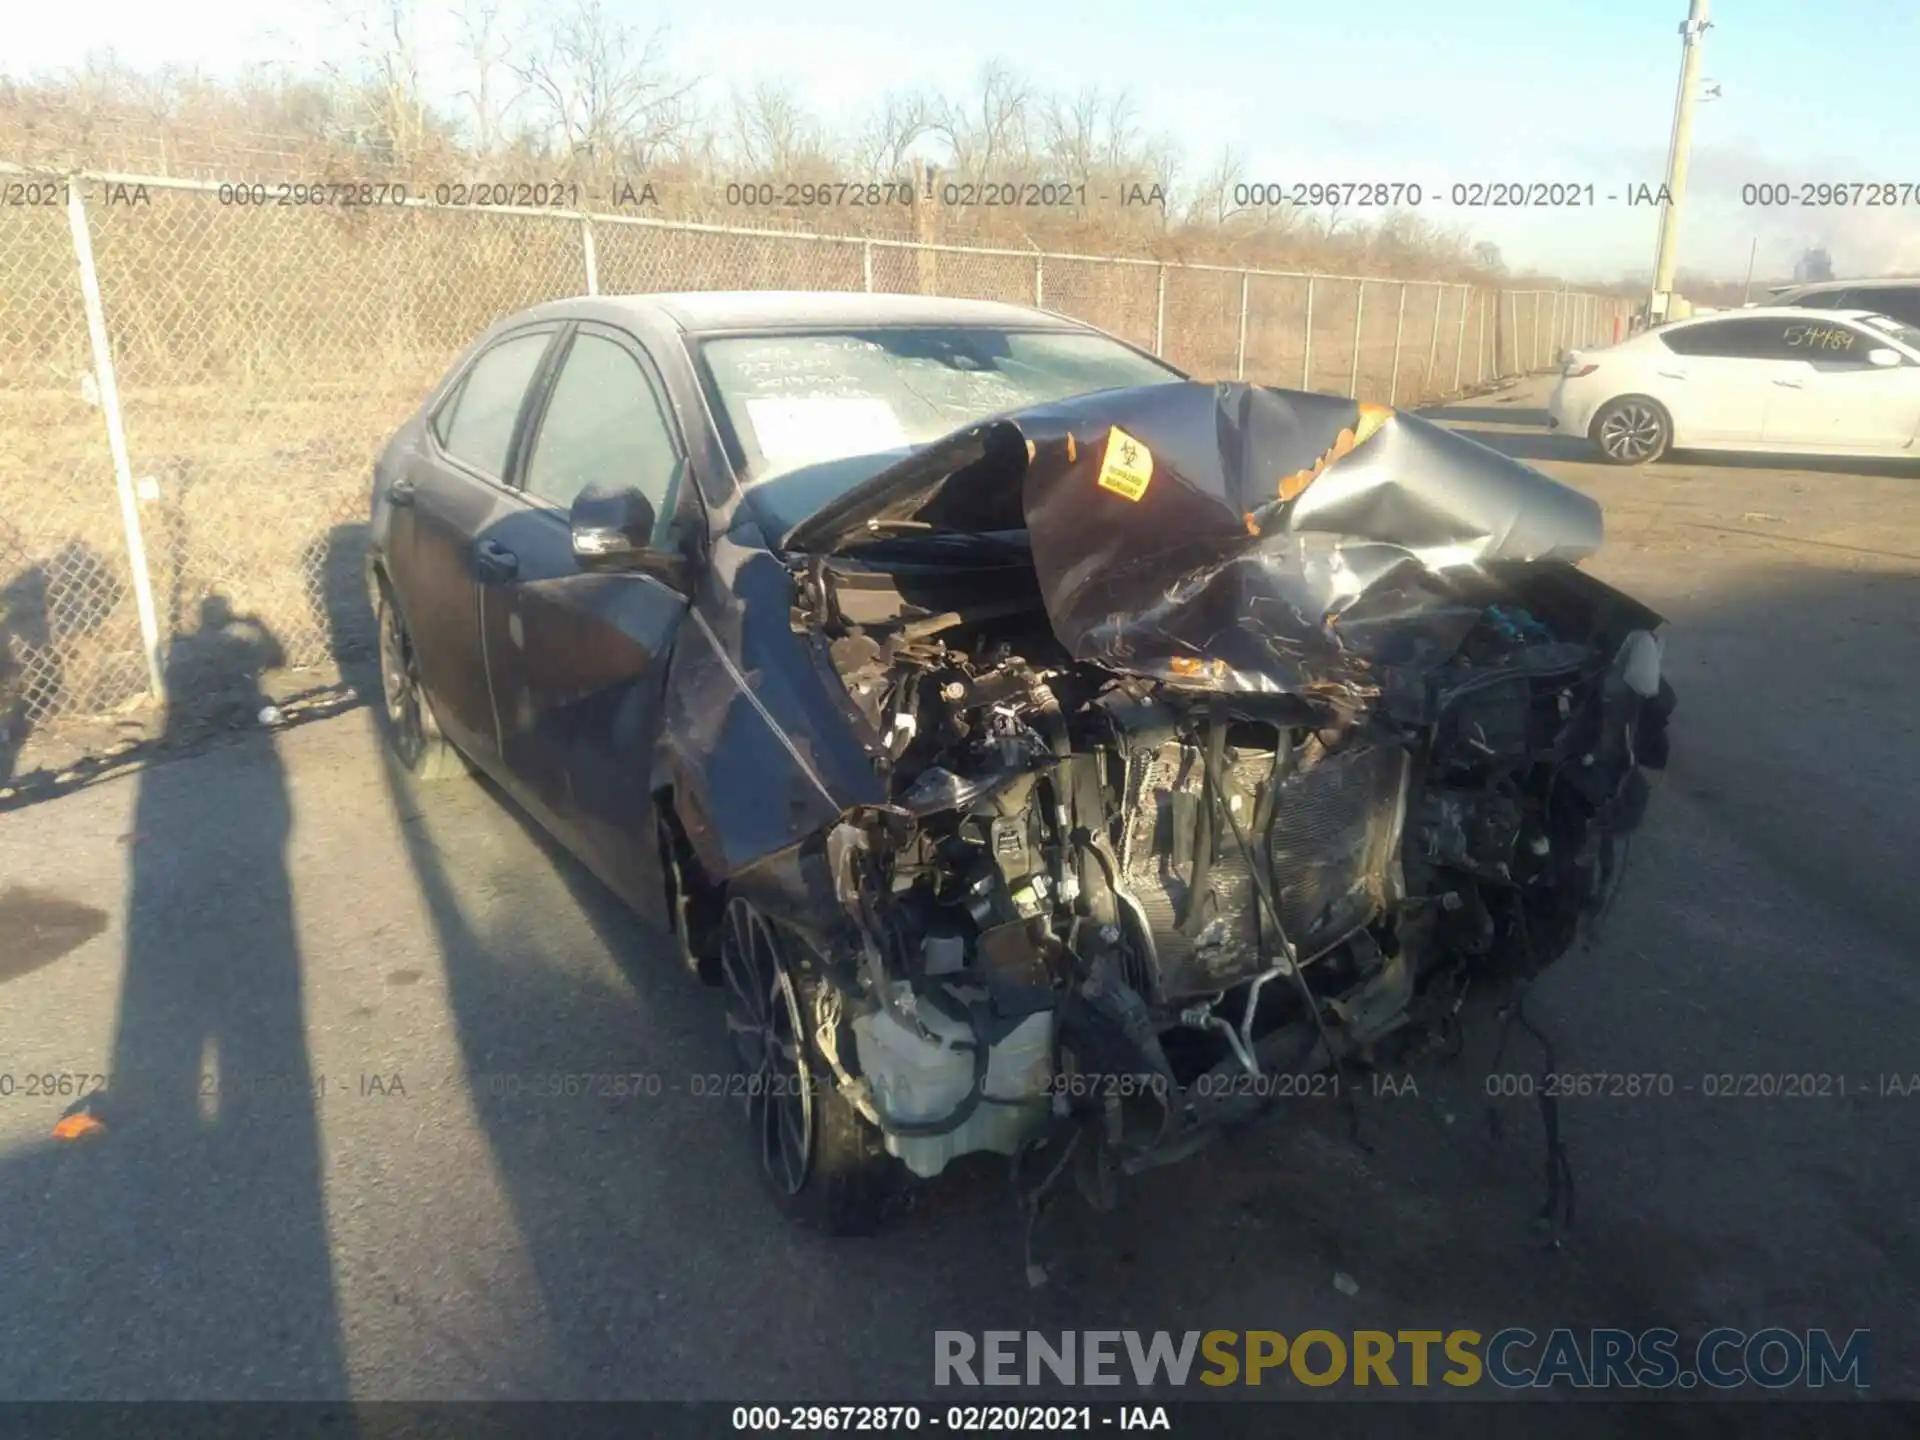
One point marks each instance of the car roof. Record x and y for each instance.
(1763, 312)
(707, 311)
(1811, 287)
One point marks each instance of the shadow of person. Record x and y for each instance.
(202, 1265)
(29, 667)
(342, 608)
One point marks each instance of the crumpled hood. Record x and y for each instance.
(1234, 536)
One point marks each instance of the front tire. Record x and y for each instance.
(1632, 430)
(412, 729)
(824, 1165)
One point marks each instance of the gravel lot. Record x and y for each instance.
(405, 1225)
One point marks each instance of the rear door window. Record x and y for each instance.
(476, 425)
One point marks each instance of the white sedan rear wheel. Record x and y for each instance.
(1632, 430)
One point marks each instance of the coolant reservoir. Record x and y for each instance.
(919, 1081)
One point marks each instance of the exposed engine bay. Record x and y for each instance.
(1113, 877)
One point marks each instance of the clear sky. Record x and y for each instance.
(1424, 91)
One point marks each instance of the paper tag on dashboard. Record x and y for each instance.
(805, 429)
(1128, 467)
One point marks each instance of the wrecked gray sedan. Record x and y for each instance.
(1050, 756)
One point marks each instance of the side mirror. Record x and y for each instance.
(611, 527)
(1882, 357)
(614, 530)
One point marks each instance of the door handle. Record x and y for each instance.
(400, 492)
(1790, 384)
(495, 561)
(1673, 374)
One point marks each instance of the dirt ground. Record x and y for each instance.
(370, 1202)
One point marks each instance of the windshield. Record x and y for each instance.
(808, 417)
(1906, 334)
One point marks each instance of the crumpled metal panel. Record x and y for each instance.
(1235, 537)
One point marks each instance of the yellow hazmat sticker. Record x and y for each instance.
(1128, 466)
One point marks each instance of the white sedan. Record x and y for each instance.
(1778, 379)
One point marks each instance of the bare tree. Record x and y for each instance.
(881, 147)
(380, 79)
(770, 132)
(993, 136)
(485, 39)
(604, 95)
(1095, 137)
(1212, 201)
(1071, 127)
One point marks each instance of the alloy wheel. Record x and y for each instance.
(400, 685)
(1632, 431)
(764, 1019)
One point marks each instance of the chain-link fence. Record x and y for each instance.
(192, 389)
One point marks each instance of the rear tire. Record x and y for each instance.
(1632, 430)
(824, 1165)
(412, 728)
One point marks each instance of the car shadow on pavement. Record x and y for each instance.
(658, 1186)
(664, 1272)
(174, 1244)
(1545, 445)
(1533, 446)
(1516, 414)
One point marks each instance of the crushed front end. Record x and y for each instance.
(1282, 723)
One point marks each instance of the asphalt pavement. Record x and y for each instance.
(374, 1196)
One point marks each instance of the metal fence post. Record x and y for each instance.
(1160, 313)
(1039, 282)
(866, 264)
(1533, 351)
(1399, 333)
(590, 256)
(1433, 336)
(1480, 341)
(1460, 345)
(1359, 309)
(116, 437)
(1513, 331)
(1306, 350)
(1240, 348)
